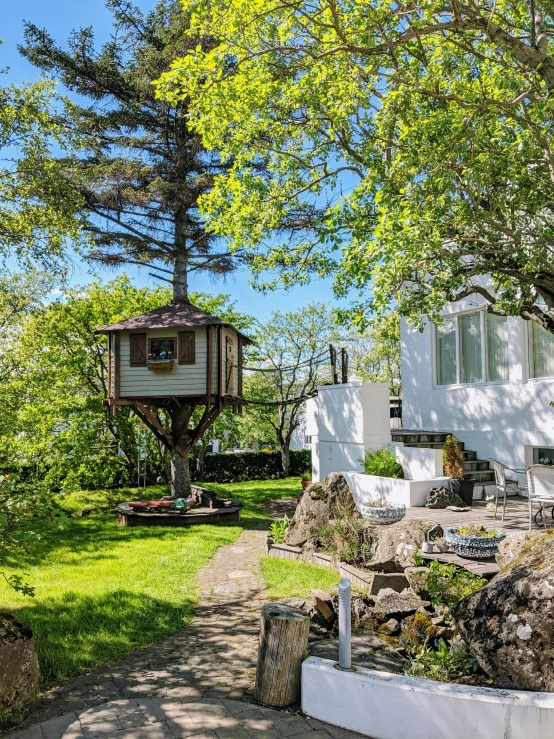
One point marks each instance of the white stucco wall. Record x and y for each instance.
(344, 421)
(496, 420)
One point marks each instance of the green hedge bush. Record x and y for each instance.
(244, 466)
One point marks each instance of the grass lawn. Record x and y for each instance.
(285, 578)
(103, 590)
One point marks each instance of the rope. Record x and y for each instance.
(280, 402)
(313, 360)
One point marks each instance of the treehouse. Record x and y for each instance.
(175, 358)
(175, 352)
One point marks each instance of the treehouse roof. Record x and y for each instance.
(176, 314)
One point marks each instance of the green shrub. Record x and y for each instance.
(278, 529)
(348, 537)
(446, 584)
(244, 466)
(452, 459)
(383, 463)
(443, 663)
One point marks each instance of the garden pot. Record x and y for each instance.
(306, 484)
(385, 515)
(463, 488)
(473, 547)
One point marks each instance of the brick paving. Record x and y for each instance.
(198, 682)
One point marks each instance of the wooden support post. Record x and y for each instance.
(283, 647)
(344, 366)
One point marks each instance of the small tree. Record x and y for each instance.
(291, 359)
(453, 459)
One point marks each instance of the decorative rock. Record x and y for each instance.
(509, 623)
(389, 628)
(442, 498)
(19, 669)
(416, 579)
(324, 605)
(513, 545)
(396, 605)
(318, 503)
(396, 581)
(399, 541)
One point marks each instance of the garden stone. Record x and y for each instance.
(390, 627)
(512, 546)
(509, 623)
(396, 581)
(400, 541)
(318, 504)
(389, 604)
(311, 515)
(19, 669)
(415, 576)
(324, 605)
(442, 498)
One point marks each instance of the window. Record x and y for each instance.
(160, 349)
(541, 351)
(472, 347)
(543, 456)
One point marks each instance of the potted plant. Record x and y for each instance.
(380, 511)
(453, 462)
(474, 541)
(306, 480)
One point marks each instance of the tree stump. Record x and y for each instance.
(283, 647)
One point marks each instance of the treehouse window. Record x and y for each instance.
(160, 350)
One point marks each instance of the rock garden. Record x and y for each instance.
(419, 617)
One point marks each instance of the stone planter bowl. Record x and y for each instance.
(473, 547)
(385, 515)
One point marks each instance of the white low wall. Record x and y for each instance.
(386, 706)
(367, 489)
(419, 463)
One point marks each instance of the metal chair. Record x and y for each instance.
(540, 478)
(502, 483)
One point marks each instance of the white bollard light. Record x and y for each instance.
(345, 625)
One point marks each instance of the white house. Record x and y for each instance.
(486, 378)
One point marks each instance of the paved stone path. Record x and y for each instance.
(198, 682)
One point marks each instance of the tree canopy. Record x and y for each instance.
(140, 169)
(405, 148)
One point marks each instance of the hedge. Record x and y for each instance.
(243, 466)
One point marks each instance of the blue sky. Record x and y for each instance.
(59, 17)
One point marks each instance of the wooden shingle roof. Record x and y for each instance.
(176, 314)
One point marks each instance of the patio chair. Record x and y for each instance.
(540, 478)
(502, 483)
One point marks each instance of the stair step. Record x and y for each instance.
(468, 455)
(431, 445)
(475, 465)
(418, 438)
(480, 476)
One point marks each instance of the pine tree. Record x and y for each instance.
(141, 171)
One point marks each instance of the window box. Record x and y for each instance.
(159, 365)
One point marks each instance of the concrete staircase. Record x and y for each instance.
(474, 469)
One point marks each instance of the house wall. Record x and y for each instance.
(344, 421)
(182, 379)
(502, 420)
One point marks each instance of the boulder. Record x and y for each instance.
(399, 542)
(387, 580)
(341, 501)
(311, 515)
(442, 498)
(389, 604)
(389, 628)
(18, 664)
(512, 546)
(509, 623)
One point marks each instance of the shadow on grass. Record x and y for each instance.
(76, 633)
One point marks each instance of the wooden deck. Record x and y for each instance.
(516, 520)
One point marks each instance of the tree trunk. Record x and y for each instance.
(180, 476)
(285, 458)
(283, 647)
(180, 263)
(180, 473)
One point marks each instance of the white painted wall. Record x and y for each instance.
(368, 489)
(385, 706)
(496, 420)
(344, 421)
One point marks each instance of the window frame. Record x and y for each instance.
(160, 338)
(484, 352)
(529, 362)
